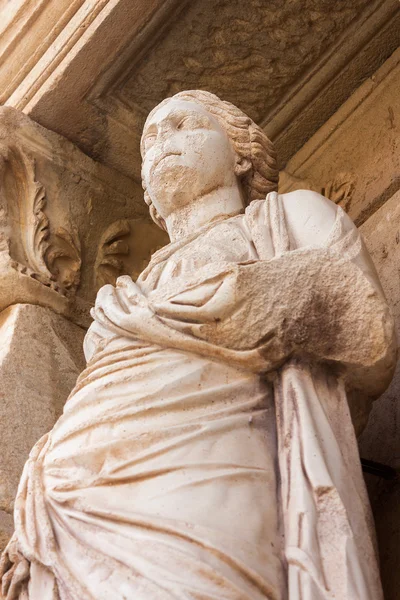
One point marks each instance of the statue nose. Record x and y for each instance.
(164, 130)
(165, 142)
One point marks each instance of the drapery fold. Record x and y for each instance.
(329, 540)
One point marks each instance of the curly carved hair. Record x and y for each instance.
(248, 139)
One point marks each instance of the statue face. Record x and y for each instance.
(187, 154)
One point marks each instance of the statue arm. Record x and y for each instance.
(310, 219)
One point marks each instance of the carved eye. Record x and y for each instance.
(192, 122)
(183, 122)
(149, 140)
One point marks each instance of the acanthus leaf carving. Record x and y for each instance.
(26, 198)
(125, 248)
(63, 258)
(39, 233)
(113, 249)
(26, 233)
(339, 190)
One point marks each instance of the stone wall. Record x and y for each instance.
(381, 439)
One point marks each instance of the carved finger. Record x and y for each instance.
(6, 582)
(21, 574)
(12, 550)
(5, 564)
(9, 556)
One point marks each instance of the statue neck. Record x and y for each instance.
(221, 202)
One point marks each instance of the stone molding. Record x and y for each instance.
(362, 49)
(30, 29)
(92, 37)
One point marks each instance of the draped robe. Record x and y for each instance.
(207, 450)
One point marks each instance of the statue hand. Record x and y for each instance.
(123, 305)
(14, 571)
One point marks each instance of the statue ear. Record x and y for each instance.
(242, 166)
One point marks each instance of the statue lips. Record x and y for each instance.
(161, 158)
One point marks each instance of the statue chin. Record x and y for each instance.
(173, 186)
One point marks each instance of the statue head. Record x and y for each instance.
(193, 143)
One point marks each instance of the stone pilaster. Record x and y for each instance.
(40, 359)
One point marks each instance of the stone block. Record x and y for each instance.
(40, 358)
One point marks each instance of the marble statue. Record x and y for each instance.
(208, 450)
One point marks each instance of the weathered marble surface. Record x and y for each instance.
(224, 369)
(59, 242)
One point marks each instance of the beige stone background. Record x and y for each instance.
(77, 78)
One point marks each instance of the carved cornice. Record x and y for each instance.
(30, 29)
(273, 61)
(45, 38)
(250, 53)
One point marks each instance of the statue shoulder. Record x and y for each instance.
(309, 217)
